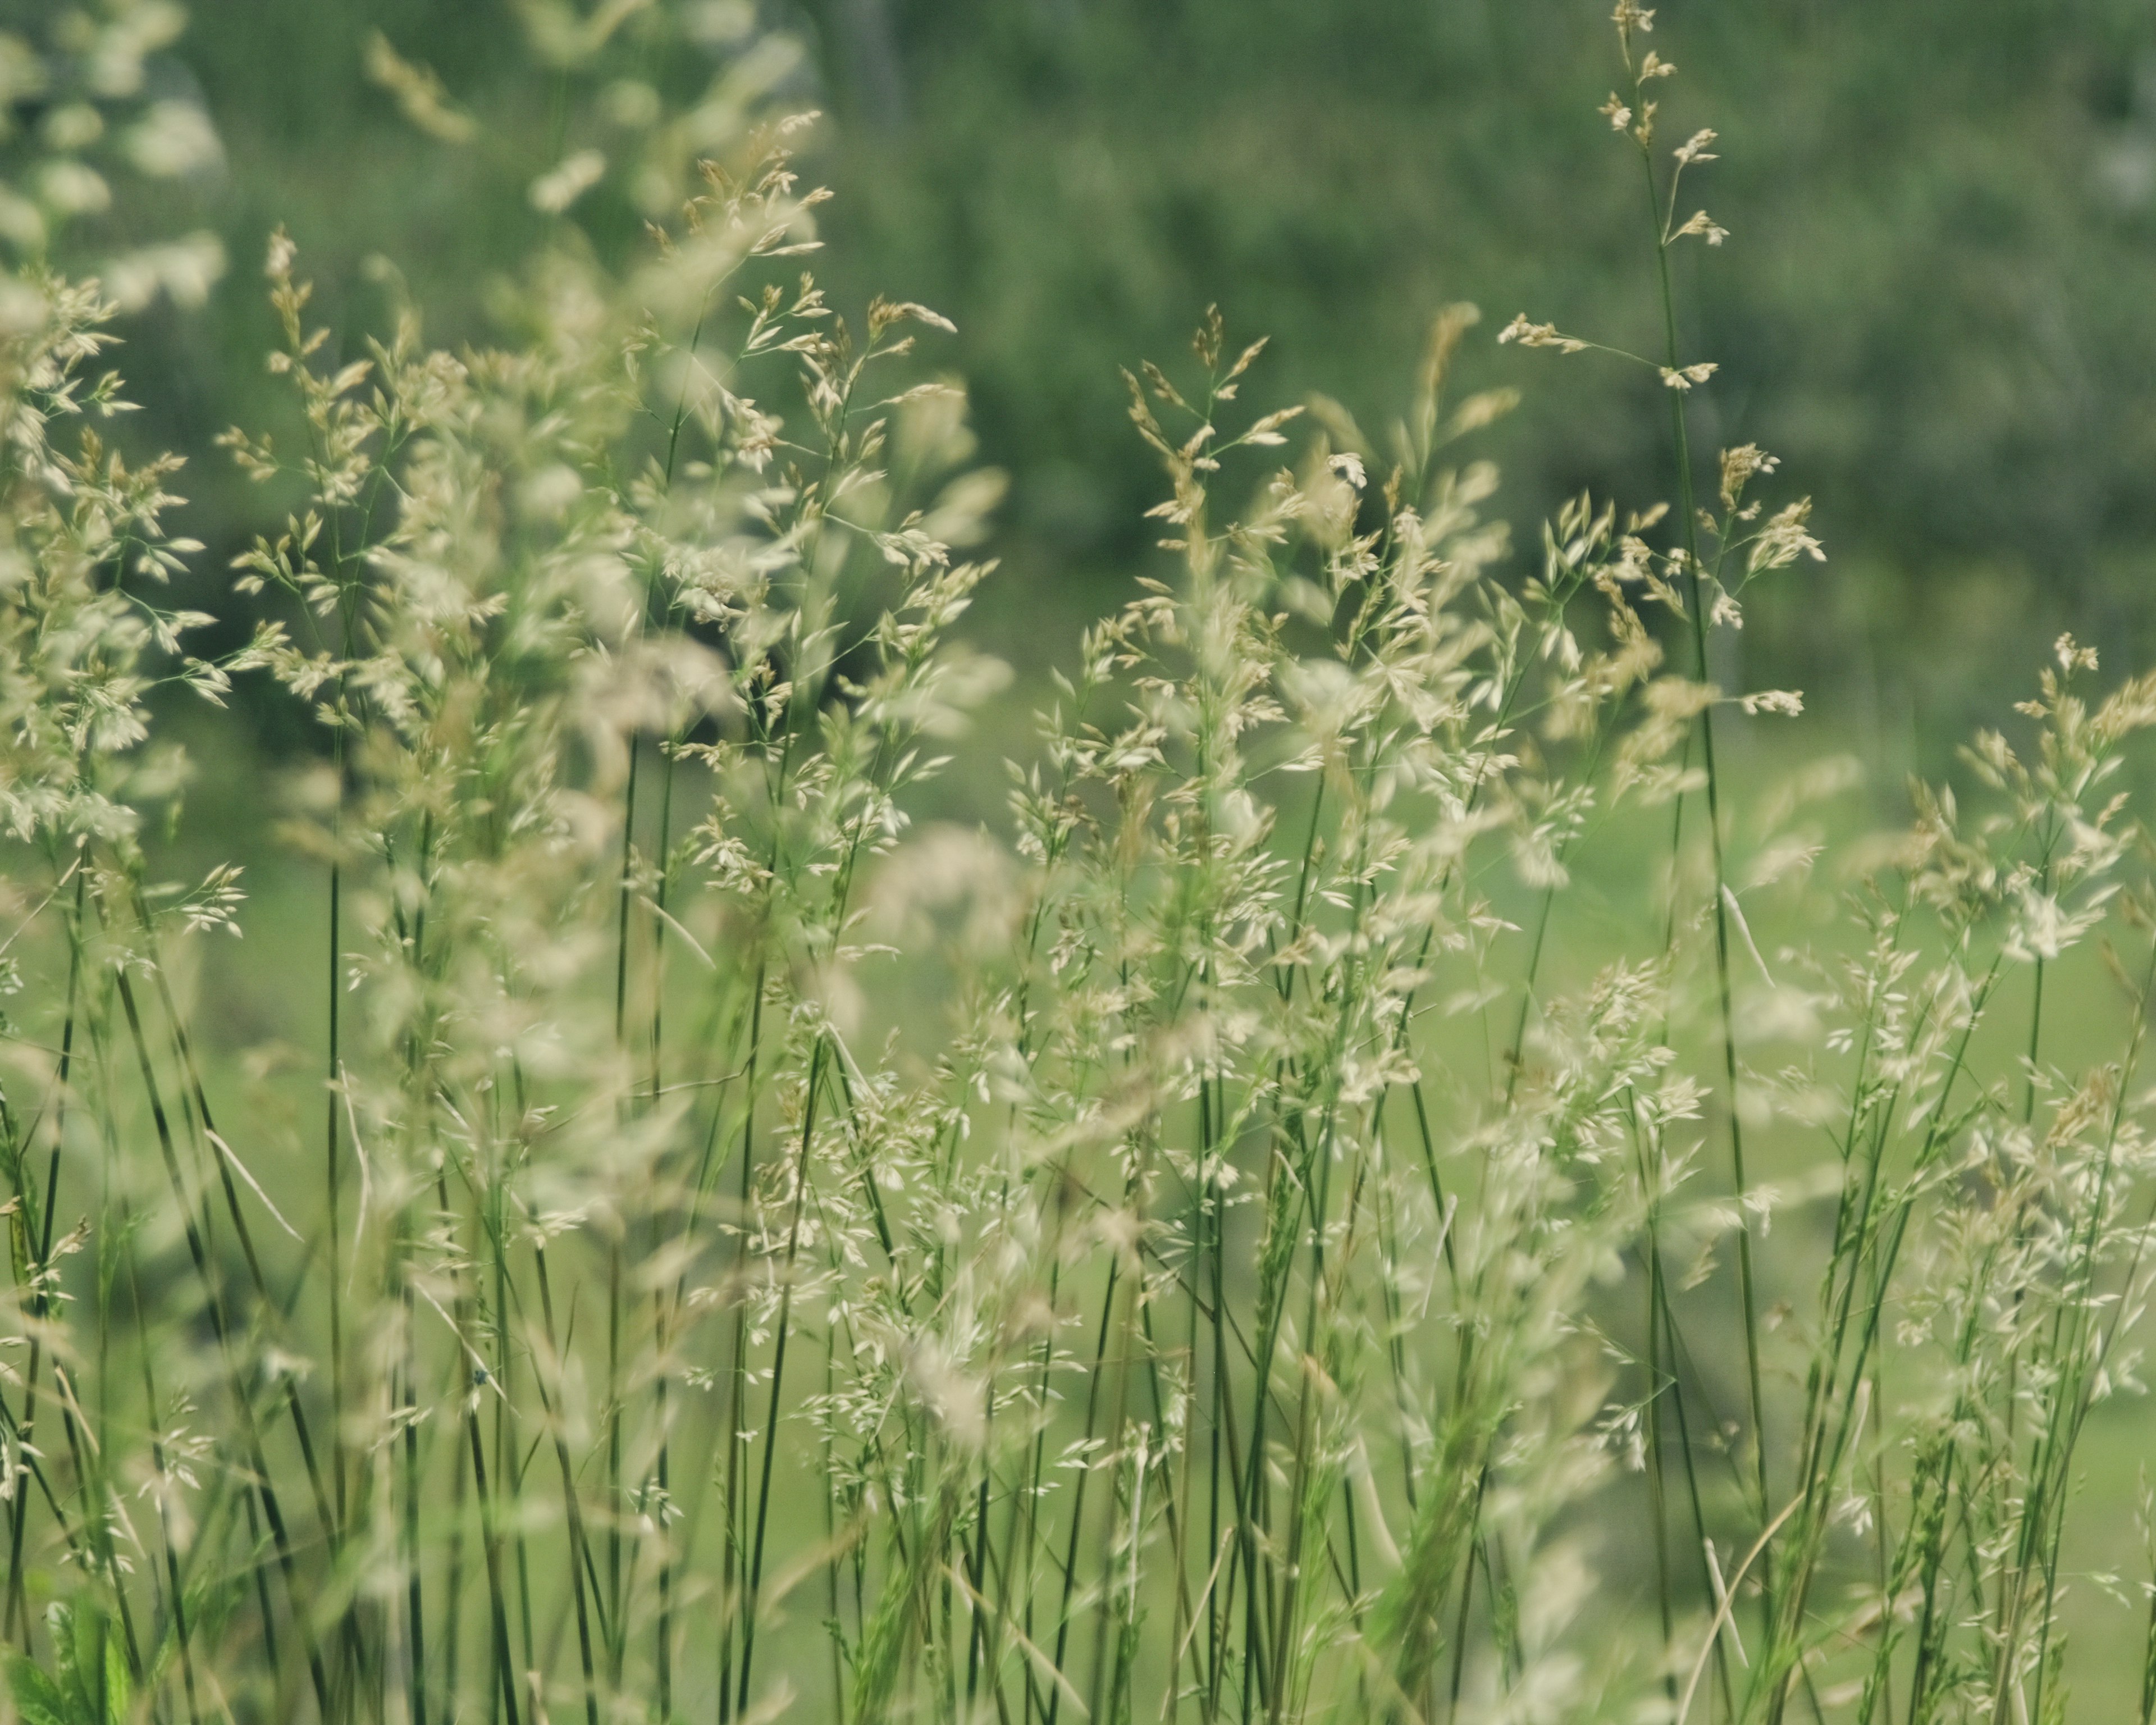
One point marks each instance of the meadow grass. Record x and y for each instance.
(1398, 1183)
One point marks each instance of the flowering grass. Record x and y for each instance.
(1233, 1242)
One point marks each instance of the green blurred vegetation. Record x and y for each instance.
(1935, 304)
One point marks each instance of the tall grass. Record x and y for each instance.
(1266, 1234)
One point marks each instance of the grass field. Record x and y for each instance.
(666, 1138)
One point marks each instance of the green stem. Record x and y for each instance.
(1695, 605)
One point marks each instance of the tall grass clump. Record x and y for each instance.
(1330, 1210)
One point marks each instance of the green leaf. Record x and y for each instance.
(93, 1666)
(69, 1627)
(119, 1690)
(36, 1697)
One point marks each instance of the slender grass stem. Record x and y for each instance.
(1696, 608)
(242, 1402)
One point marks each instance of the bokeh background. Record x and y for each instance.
(1938, 303)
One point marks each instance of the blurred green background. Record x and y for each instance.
(1938, 303)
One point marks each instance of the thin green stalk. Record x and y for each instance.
(504, 1684)
(579, 1545)
(752, 1594)
(663, 1631)
(1078, 1486)
(415, 1599)
(20, 1509)
(332, 1153)
(1696, 607)
(453, 1582)
(218, 1154)
(1656, 1491)
(175, 1588)
(616, 1649)
(242, 1403)
(733, 1572)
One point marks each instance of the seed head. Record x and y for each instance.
(1629, 18)
(1738, 466)
(1704, 226)
(1540, 334)
(1694, 148)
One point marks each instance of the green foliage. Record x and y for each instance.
(1402, 1179)
(1936, 311)
(89, 1683)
